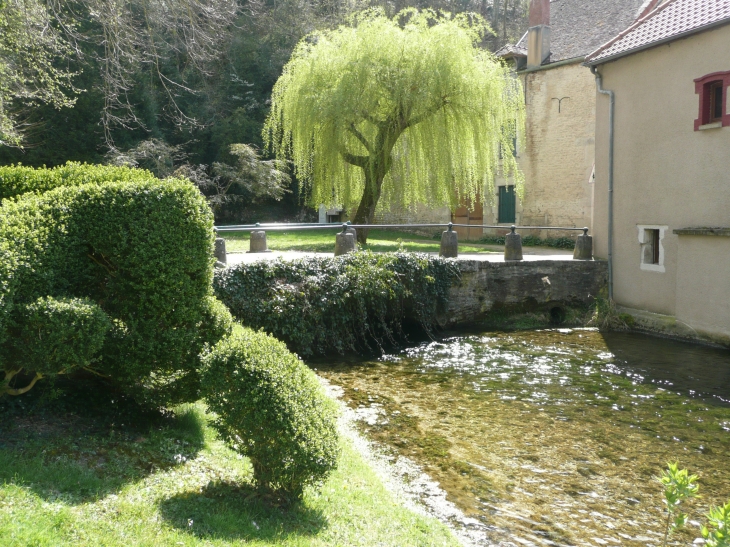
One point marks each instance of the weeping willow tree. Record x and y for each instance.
(407, 109)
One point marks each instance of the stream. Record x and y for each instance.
(552, 437)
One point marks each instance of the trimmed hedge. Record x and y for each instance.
(317, 305)
(140, 250)
(16, 180)
(115, 277)
(272, 409)
(58, 333)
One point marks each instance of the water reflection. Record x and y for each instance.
(553, 437)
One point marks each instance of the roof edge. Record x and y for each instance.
(556, 64)
(628, 29)
(698, 30)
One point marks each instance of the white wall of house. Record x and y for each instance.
(668, 176)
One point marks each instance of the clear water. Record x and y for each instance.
(554, 437)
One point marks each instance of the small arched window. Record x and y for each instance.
(713, 91)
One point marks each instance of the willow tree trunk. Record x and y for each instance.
(366, 210)
(375, 170)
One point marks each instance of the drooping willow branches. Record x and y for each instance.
(407, 108)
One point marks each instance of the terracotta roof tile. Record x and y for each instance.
(673, 19)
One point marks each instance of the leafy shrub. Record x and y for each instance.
(16, 180)
(532, 241)
(319, 304)
(141, 250)
(717, 534)
(271, 408)
(57, 336)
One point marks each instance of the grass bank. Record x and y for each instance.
(118, 476)
(323, 241)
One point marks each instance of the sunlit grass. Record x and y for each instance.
(175, 483)
(323, 241)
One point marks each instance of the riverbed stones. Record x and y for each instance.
(344, 242)
(257, 242)
(449, 244)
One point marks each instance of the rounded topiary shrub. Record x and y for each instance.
(56, 336)
(271, 408)
(140, 249)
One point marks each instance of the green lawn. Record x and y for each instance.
(67, 480)
(323, 241)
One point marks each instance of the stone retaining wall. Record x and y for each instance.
(522, 286)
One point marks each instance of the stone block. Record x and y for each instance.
(219, 251)
(449, 244)
(513, 246)
(344, 243)
(257, 243)
(583, 248)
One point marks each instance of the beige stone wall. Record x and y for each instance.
(667, 175)
(559, 147)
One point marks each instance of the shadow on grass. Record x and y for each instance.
(77, 443)
(229, 511)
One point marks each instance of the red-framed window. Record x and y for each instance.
(713, 92)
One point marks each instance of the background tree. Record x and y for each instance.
(407, 106)
(30, 46)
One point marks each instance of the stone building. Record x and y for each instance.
(557, 158)
(560, 101)
(666, 228)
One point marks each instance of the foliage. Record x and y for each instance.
(128, 38)
(532, 241)
(251, 178)
(30, 46)
(606, 316)
(109, 243)
(16, 180)
(718, 532)
(407, 108)
(154, 154)
(55, 336)
(679, 486)
(271, 408)
(317, 304)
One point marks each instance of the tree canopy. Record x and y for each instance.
(29, 47)
(174, 43)
(407, 108)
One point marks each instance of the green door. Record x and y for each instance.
(506, 204)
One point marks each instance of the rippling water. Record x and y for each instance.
(553, 437)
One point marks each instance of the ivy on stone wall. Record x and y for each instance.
(354, 302)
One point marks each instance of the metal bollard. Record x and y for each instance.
(583, 246)
(345, 241)
(513, 245)
(257, 242)
(449, 243)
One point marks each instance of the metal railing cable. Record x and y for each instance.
(285, 227)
